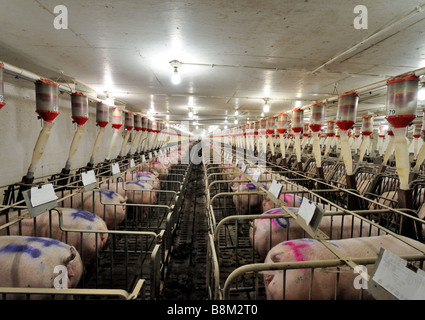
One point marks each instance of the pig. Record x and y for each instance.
(151, 177)
(72, 219)
(113, 215)
(143, 191)
(324, 281)
(157, 167)
(30, 262)
(248, 203)
(287, 229)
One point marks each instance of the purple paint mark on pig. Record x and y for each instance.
(144, 174)
(108, 193)
(283, 223)
(141, 184)
(20, 248)
(82, 214)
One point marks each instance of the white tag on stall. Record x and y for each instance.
(311, 215)
(243, 169)
(150, 155)
(155, 153)
(115, 169)
(143, 158)
(42, 195)
(256, 176)
(307, 210)
(40, 199)
(132, 165)
(89, 180)
(397, 277)
(237, 162)
(275, 189)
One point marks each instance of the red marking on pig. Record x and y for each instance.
(296, 249)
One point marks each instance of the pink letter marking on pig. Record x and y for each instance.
(296, 249)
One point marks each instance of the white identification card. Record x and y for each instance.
(402, 282)
(88, 178)
(256, 176)
(275, 189)
(42, 195)
(115, 168)
(132, 164)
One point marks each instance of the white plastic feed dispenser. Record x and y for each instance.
(80, 108)
(402, 98)
(46, 99)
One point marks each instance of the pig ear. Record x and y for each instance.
(71, 256)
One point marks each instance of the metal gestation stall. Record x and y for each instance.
(236, 271)
(131, 265)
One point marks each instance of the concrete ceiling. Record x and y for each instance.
(234, 54)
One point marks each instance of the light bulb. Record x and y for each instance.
(175, 78)
(266, 108)
(236, 121)
(236, 112)
(190, 114)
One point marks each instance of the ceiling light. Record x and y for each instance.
(236, 112)
(168, 117)
(175, 78)
(236, 121)
(262, 114)
(421, 94)
(266, 107)
(190, 114)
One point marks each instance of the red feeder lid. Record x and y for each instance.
(47, 81)
(410, 76)
(351, 93)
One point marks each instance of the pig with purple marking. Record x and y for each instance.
(136, 192)
(105, 203)
(150, 177)
(88, 244)
(326, 281)
(30, 262)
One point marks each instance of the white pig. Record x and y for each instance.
(30, 262)
(336, 227)
(72, 219)
(324, 281)
(100, 202)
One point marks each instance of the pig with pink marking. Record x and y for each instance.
(264, 234)
(298, 281)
